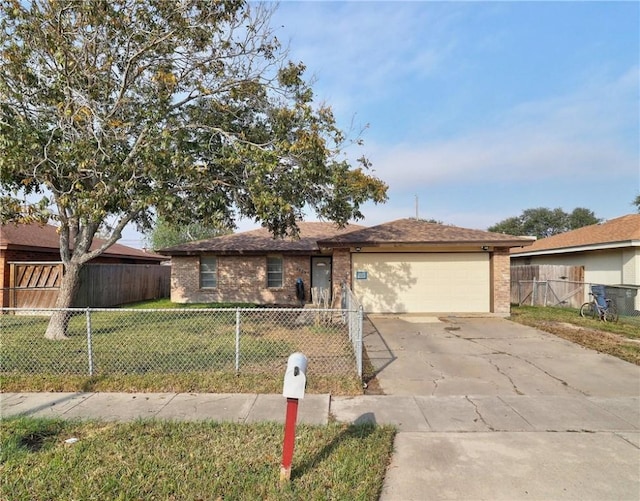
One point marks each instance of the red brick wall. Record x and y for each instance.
(341, 273)
(240, 279)
(500, 282)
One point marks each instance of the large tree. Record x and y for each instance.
(120, 110)
(542, 222)
(636, 202)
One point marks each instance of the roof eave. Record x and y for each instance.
(579, 248)
(32, 248)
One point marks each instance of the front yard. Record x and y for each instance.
(155, 348)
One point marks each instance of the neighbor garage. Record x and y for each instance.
(422, 282)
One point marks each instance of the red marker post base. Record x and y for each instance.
(295, 381)
(289, 439)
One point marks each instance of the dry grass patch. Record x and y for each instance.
(622, 339)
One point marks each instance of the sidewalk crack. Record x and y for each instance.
(626, 440)
(502, 373)
(479, 414)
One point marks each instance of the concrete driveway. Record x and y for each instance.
(490, 409)
(426, 356)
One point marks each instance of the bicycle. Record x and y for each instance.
(603, 308)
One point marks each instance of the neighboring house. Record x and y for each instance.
(405, 266)
(609, 252)
(39, 246)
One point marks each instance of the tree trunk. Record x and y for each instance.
(57, 328)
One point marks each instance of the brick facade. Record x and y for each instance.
(500, 282)
(241, 279)
(341, 273)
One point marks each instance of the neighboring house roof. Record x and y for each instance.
(45, 238)
(416, 232)
(261, 241)
(619, 232)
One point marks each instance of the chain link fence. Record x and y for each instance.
(354, 318)
(101, 341)
(564, 293)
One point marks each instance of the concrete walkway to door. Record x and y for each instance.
(490, 409)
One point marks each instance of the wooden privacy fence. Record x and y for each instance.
(36, 285)
(33, 285)
(547, 285)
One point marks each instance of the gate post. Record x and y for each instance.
(89, 345)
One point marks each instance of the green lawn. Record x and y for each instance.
(188, 460)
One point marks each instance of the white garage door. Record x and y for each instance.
(422, 282)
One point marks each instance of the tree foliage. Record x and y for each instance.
(164, 234)
(636, 202)
(542, 222)
(116, 111)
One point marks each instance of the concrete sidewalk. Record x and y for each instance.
(455, 447)
(237, 408)
(461, 414)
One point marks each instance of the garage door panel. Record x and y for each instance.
(422, 282)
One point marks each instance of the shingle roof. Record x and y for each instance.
(416, 232)
(46, 238)
(621, 231)
(260, 241)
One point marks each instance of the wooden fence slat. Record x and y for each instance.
(561, 279)
(35, 285)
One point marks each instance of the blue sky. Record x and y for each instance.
(480, 109)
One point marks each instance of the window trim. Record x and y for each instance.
(280, 272)
(212, 274)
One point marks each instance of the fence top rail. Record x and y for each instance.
(544, 281)
(616, 286)
(186, 310)
(18, 288)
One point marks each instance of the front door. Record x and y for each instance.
(321, 280)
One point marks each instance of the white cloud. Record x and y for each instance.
(584, 134)
(359, 52)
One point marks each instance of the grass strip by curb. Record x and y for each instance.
(188, 460)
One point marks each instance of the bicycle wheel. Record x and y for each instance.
(588, 310)
(611, 314)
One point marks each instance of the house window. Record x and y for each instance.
(274, 272)
(208, 272)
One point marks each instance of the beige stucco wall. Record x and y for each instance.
(600, 267)
(631, 266)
